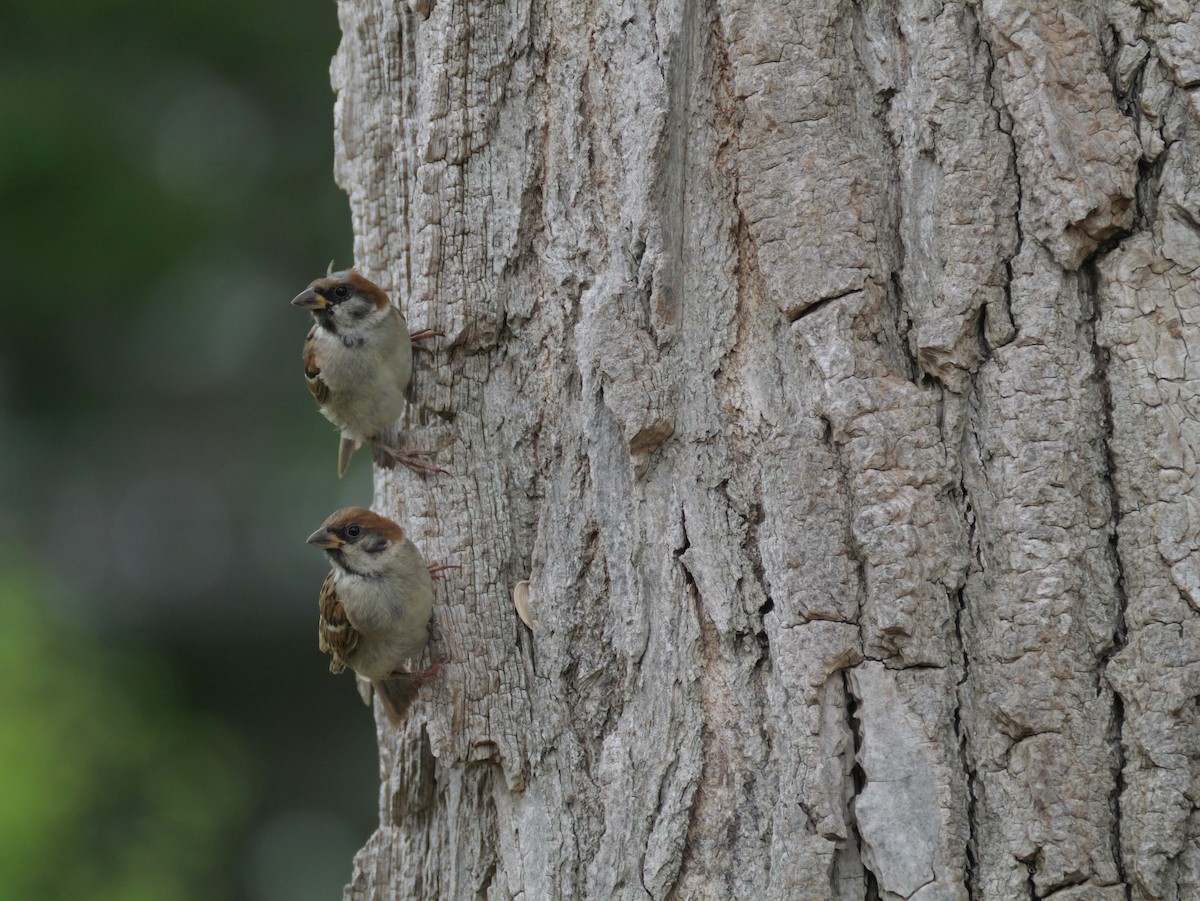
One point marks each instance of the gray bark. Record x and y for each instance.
(825, 369)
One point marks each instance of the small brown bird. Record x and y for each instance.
(375, 605)
(358, 362)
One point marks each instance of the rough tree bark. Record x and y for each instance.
(825, 366)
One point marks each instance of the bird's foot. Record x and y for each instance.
(435, 568)
(427, 675)
(424, 334)
(412, 459)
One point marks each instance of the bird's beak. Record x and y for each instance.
(309, 300)
(323, 538)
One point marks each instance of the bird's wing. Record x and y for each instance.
(312, 372)
(336, 635)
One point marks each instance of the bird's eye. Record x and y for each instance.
(353, 531)
(341, 291)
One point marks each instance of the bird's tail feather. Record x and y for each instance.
(396, 694)
(345, 449)
(382, 458)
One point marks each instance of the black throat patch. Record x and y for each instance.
(325, 320)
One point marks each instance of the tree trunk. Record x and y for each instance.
(825, 369)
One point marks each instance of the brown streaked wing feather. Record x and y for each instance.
(312, 372)
(336, 635)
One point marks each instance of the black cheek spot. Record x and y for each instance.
(375, 544)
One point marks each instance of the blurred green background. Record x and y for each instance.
(168, 729)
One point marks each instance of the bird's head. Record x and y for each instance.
(343, 301)
(358, 541)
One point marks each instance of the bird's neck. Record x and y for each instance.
(326, 321)
(352, 332)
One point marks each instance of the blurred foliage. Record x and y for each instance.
(166, 181)
(138, 132)
(111, 789)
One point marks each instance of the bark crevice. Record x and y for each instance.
(857, 784)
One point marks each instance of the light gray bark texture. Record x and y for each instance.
(825, 368)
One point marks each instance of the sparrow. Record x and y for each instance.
(358, 362)
(375, 605)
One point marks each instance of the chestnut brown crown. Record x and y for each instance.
(339, 287)
(350, 524)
